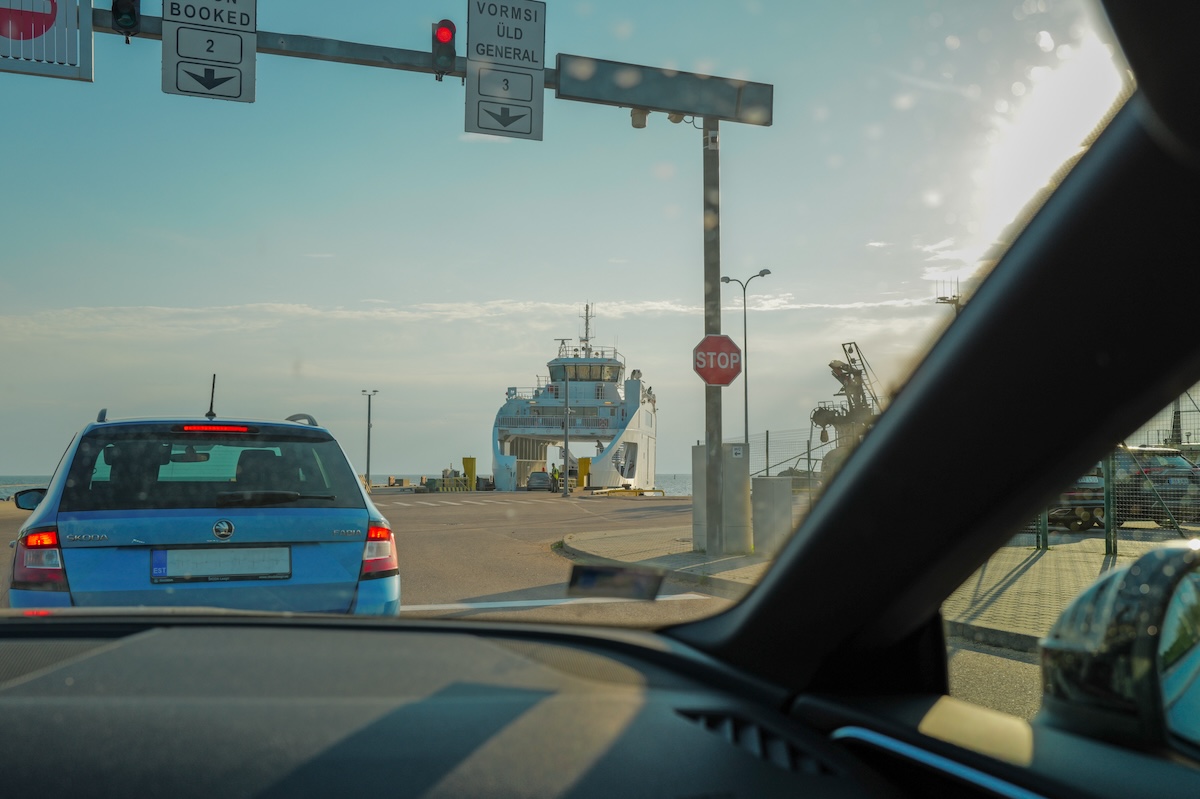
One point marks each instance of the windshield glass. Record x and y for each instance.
(657, 198)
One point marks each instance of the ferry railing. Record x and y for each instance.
(556, 422)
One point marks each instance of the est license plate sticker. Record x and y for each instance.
(220, 564)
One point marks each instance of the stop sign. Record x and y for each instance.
(717, 360)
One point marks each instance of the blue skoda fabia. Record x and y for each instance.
(201, 512)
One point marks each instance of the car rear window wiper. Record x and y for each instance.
(226, 498)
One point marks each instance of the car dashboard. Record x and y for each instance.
(246, 707)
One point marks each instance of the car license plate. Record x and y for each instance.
(1089, 480)
(220, 564)
(1177, 481)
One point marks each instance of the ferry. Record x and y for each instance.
(587, 406)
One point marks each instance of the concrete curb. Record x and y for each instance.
(988, 636)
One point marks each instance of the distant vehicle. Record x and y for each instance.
(1150, 484)
(1081, 506)
(195, 512)
(1156, 484)
(540, 481)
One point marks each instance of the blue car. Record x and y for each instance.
(250, 515)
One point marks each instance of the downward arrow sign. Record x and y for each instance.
(209, 79)
(505, 117)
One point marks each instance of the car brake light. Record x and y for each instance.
(215, 428)
(38, 562)
(379, 554)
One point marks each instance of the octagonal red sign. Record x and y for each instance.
(717, 359)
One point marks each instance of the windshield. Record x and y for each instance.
(618, 268)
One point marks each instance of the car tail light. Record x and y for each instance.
(379, 554)
(38, 563)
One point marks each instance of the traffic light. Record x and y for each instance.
(443, 49)
(127, 17)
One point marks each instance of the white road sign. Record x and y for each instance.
(52, 38)
(210, 48)
(506, 62)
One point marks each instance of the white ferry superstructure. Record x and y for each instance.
(613, 421)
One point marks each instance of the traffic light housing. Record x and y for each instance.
(443, 49)
(127, 17)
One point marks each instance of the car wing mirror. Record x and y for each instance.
(1122, 663)
(29, 499)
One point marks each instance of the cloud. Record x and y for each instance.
(878, 244)
(971, 92)
(785, 302)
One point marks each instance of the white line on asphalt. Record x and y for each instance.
(448, 502)
(535, 603)
(430, 504)
(403, 504)
(470, 502)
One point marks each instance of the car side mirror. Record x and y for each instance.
(1122, 663)
(29, 499)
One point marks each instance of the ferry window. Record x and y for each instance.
(558, 373)
(570, 371)
(600, 391)
(611, 373)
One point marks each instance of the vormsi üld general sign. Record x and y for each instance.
(210, 48)
(506, 62)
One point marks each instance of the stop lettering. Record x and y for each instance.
(717, 359)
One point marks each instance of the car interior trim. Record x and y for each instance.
(931, 760)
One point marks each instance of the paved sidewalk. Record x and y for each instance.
(1011, 601)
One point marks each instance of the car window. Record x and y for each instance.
(114, 470)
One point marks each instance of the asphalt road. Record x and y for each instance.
(492, 556)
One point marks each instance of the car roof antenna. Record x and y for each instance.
(211, 398)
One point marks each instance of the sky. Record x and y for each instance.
(344, 233)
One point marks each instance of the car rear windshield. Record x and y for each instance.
(115, 469)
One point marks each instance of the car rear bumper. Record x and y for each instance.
(380, 597)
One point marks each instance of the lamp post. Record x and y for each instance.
(745, 350)
(368, 395)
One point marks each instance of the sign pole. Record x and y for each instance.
(713, 506)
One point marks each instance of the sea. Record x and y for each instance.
(673, 485)
(12, 483)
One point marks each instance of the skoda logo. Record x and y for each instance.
(223, 529)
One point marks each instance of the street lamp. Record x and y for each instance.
(368, 395)
(745, 350)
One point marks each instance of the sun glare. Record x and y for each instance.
(1053, 113)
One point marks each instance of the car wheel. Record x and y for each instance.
(1080, 525)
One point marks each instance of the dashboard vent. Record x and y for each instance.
(765, 744)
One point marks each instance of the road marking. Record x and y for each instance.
(470, 502)
(447, 502)
(403, 504)
(536, 603)
(430, 504)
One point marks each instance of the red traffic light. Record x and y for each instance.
(443, 52)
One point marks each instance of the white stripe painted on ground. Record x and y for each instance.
(448, 502)
(403, 504)
(536, 603)
(471, 502)
(430, 504)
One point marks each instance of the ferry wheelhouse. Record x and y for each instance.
(589, 407)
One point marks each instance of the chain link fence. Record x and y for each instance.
(1146, 489)
(1154, 493)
